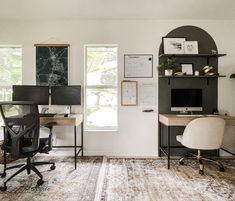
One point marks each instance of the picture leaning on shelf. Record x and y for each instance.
(190, 47)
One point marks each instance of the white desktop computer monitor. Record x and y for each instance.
(186, 100)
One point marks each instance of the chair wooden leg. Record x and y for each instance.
(201, 166)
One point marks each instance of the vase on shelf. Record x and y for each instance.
(168, 72)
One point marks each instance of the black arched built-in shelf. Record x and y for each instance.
(206, 48)
(207, 77)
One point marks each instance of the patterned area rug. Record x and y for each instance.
(64, 183)
(150, 180)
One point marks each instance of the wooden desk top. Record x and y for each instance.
(71, 120)
(174, 120)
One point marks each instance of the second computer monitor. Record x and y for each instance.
(37, 94)
(66, 95)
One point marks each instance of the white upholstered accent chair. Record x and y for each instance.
(204, 133)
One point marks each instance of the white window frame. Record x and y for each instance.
(105, 128)
(13, 46)
(10, 87)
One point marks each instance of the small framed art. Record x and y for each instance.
(173, 45)
(128, 93)
(191, 47)
(187, 68)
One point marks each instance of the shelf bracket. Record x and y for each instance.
(208, 61)
(169, 80)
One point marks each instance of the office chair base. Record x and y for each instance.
(201, 172)
(3, 188)
(3, 174)
(200, 159)
(29, 166)
(40, 182)
(181, 161)
(52, 167)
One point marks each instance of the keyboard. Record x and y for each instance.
(47, 114)
(189, 115)
(211, 115)
(196, 115)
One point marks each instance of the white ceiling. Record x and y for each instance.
(117, 9)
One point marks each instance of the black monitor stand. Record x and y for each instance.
(67, 110)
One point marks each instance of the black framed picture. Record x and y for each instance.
(173, 45)
(52, 64)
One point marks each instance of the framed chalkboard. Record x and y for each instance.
(138, 65)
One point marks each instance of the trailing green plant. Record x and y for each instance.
(169, 63)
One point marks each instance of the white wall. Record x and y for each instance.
(137, 135)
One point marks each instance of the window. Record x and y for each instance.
(10, 70)
(101, 88)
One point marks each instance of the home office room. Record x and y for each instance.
(117, 100)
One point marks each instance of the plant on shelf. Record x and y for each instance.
(168, 65)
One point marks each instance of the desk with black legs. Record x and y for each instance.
(71, 120)
(171, 120)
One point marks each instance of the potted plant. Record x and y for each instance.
(168, 65)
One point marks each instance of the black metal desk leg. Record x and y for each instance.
(75, 147)
(168, 147)
(82, 138)
(159, 139)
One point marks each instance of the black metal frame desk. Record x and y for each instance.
(71, 120)
(170, 120)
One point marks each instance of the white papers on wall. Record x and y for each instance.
(147, 93)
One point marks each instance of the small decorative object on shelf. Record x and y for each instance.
(232, 76)
(209, 70)
(213, 52)
(179, 73)
(168, 72)
(196, 73)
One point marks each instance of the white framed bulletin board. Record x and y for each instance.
(138, 65)
(129, 93)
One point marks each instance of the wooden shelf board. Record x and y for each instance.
(192, 55)
(188, 76)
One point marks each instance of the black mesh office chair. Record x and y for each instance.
(21, 137)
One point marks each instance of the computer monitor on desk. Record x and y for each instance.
(66, 95)
(36, 94)
(184, 100)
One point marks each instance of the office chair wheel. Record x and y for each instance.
(3, 188)
(3, 174)
(181, 162)
(40, 182)
(52, 167)
(221, 169)
(201, 172)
